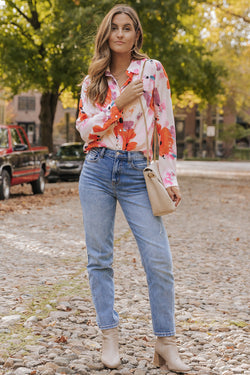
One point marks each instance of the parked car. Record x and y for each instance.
(19, 162)
(67, 163)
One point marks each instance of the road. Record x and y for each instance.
(215, 169)
(47, 320)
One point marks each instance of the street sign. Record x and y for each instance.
(211, 131)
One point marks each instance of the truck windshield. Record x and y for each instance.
(73, 150)
(3, 138)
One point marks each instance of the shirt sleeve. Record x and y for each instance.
(164, 118)
(94, 120)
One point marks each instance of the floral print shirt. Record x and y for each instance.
(106, 126)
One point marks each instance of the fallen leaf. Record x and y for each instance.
(63, 308)
(61, 339)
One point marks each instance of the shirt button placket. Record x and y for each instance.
(118, 144)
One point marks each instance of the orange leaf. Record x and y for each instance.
(62, 340)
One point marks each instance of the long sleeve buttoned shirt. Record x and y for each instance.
(107, 126)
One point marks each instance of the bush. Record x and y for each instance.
(241, 153)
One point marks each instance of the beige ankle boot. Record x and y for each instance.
(166, 353)
(110, 348)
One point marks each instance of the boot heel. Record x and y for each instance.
(169, 355)
(158, 360)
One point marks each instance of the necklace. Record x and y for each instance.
(118, 75)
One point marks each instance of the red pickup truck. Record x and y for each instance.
(19, 162)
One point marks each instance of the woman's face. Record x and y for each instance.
(122, 36)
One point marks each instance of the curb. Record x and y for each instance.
(213, 174)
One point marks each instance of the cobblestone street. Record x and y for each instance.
(47, 321)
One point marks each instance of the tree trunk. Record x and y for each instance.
(46, 116)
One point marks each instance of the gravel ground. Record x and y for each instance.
(47, 321)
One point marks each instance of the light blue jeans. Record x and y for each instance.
(109, 176)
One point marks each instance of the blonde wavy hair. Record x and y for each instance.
(97, 90)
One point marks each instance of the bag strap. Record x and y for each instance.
(145, 123)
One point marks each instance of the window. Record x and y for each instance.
(26, 103)
(180, 126)
(197, 127)
(23, 136)
(199, 131)
(3, 138)
(74, 151)
(15, 138)
(30, 129)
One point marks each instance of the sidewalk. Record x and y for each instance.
(214, 169)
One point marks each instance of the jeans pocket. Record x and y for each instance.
(139, 165)
(92, 156)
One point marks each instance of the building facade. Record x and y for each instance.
(24, 110)
(199, 134)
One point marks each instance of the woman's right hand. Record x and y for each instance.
(132, 92)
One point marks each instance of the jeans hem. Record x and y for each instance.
(110, 326)
(165, 334)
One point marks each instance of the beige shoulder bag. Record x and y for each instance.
(160, 200)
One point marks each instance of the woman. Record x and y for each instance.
(111, 124)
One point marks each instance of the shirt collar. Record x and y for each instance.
(134, 67)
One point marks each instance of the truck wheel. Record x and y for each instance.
(38, 186)
(5, 185)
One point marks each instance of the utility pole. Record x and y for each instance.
(67, 126)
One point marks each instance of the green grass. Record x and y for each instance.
(71, 286)
(45, 299)
(239, 324)
(16, 339)
(211, 323)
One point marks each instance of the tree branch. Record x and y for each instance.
(19, 10)
(50, 3)
(34, 19)
(40, 47)
(229, 12)
(61, 91)
(26, 35)
(241, 16)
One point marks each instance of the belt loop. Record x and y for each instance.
(102, 152)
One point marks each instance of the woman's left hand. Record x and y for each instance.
(174, 194)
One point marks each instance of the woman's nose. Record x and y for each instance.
(119, 33)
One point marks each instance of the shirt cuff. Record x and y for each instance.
(170, 181)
